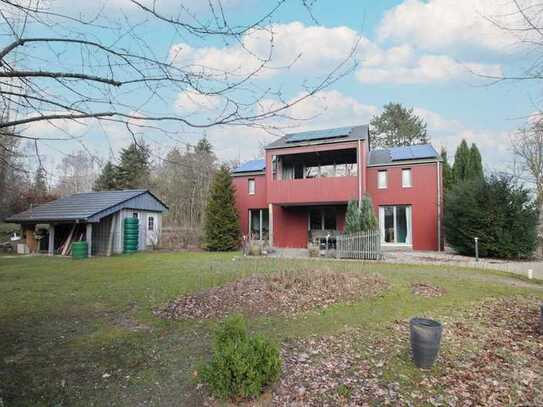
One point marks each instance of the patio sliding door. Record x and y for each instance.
(395, 224)
(259, 224)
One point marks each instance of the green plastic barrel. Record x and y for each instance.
(80, 250)
(131, 235)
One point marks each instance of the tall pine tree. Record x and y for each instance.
(106, 181)
(397, 126)
(134, 169)
(447, 173)
(461, 162)
(475, 163)
(468, 163)
(222, 229)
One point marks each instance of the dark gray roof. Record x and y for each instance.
(85, 206)
(251, 166)
(400, 154)
(336, 135)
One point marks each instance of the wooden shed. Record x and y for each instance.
(96, 217)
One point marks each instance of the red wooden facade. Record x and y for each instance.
(293, 205)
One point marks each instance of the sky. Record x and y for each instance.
(430, 55)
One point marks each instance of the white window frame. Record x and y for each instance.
(381, 185)
(151, 223)
(409, 220)
(251, 182)
(410, 179)
(261, 223)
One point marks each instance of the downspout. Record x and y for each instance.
(439, 186)
(359, 173)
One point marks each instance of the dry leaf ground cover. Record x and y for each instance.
(80, 333)
(491, 355)
(282, 292)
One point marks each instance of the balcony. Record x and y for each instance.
(314, 177)
(313, 190)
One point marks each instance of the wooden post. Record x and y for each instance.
(111, 234)
(260, 230)
(31, 243)
(51, 248)
(270, 224)
(89, 238)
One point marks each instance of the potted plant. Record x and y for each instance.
(425, 339)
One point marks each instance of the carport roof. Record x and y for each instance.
(78, 207)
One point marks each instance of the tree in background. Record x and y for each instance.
(360, 218)
(461, 161)
(467, 163)
(475, 168)
(397, 126)
(222, 229)
(497, 211)
(39, 186)
(106, 181)
(183, 179)
(78, 172)
(14, 178)
(203, 146)
(527, 145)
(134, 169)
(447, 172)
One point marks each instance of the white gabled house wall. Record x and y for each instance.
(144, 234)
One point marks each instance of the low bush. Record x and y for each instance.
(242, 364)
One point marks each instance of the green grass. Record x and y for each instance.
(66, 324)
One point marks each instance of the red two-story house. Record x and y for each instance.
(301, 189)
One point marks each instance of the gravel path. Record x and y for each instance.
(451, 259)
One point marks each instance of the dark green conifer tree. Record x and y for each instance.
(222, 229)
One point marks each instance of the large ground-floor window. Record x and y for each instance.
(259, 224)
(322, 218)
(395, 224)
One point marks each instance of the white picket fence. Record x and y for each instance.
(361, 245)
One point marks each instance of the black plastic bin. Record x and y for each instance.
(425, 341)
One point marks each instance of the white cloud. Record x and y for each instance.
(296, 48)
(442, 24)
(493, 144)
(330, 109)
(317, 50)
(326, 109)
(398, 66)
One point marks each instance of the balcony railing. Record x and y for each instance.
(313, 190)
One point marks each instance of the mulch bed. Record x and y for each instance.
(492, 356)
(427, 290)
(286, 292)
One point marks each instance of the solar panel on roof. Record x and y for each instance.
(319, 134)
(412, 152)
(253, 165)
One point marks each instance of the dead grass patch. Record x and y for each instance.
(284, 292)
(427, 290)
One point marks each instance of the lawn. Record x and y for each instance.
(84, 332)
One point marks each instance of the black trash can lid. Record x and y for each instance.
(430, 323)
